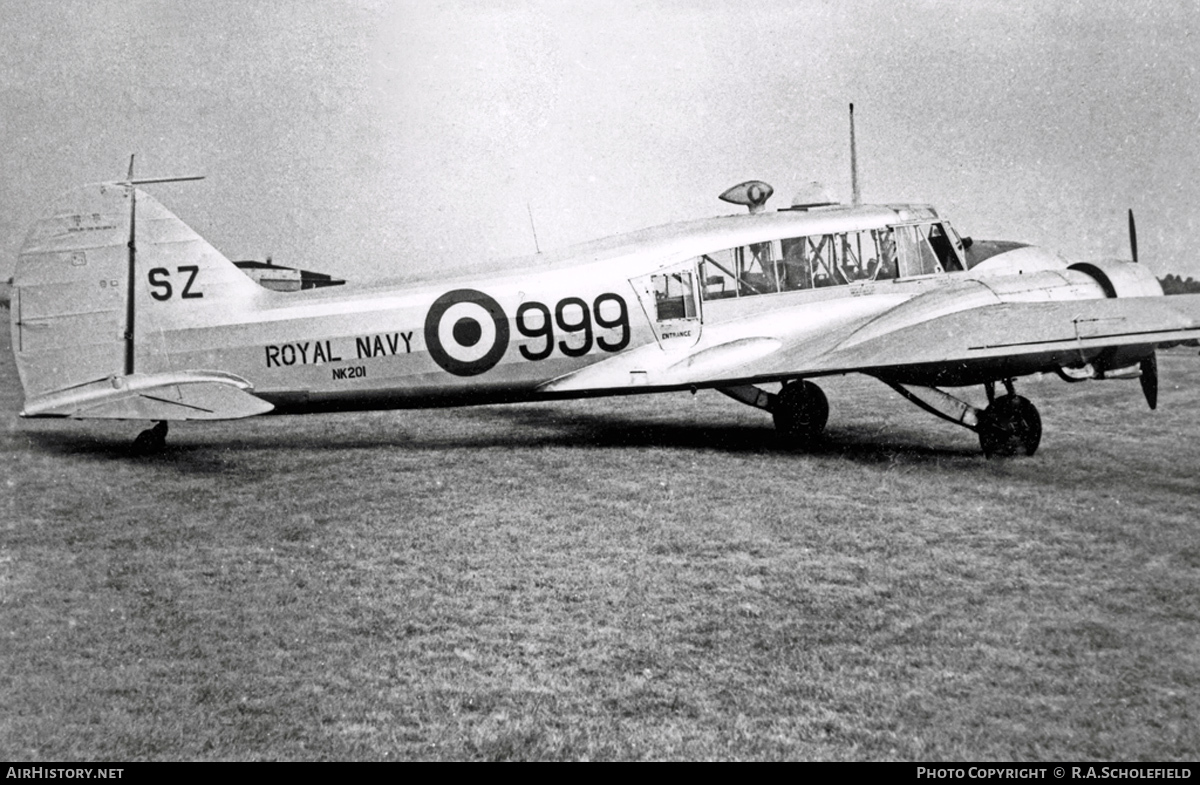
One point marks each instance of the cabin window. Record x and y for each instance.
(674, 295)
(797, 263)
(757, 268)
(836, 259)
(717, 275)
(888, 267)
(797, 270)
(929, 248)
(915, 254)
(948, 247)
(744, 271)
(821, 251)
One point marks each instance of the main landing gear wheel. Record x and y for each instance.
(151, 440)
(800, 412)
(1009, 425)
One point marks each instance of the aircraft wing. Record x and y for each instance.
(1005, 330)
(181, 395)
(901, 338)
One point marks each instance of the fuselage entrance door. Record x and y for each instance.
(671, 301)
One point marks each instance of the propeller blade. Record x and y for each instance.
(1149, 380)
(1133, 241)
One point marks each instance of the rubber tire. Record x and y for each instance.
(801, 411)
(1009, 426)
(152, 440)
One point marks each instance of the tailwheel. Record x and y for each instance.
(1009, 425)
(151, 440)
(800, 411)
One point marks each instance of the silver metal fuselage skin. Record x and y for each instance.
(370, 349)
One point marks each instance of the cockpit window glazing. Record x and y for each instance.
(796, 263)
(925, 249)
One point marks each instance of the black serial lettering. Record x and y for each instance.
(159, 283)
(161, 288)
(188, 294)
(353, 372)
(575, 322)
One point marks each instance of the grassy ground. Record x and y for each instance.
(628, 578)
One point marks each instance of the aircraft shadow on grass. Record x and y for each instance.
(587, 430)
(512, 428)
(517, 428)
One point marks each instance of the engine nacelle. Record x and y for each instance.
(1121, 279)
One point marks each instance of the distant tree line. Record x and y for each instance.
(1173, 284)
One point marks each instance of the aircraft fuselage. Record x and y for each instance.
(112, 286)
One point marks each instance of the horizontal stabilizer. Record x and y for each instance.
(179, 395)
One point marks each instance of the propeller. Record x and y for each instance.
(1149, 380)
(1148, 366)
(1132, 237)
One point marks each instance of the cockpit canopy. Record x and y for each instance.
(919, 243)
(913, 242)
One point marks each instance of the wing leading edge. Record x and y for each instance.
(1014, 330)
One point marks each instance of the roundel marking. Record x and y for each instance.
(466, 332)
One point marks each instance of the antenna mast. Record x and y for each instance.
(532, 226)
(131, 282)
(855, 195)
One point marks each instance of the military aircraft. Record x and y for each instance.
(121, 311)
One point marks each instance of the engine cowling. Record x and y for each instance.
(1122, 279)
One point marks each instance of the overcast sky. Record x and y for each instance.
(369, 139)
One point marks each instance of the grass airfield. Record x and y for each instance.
(630, 578)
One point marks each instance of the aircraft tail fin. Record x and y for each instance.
(100, 276)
